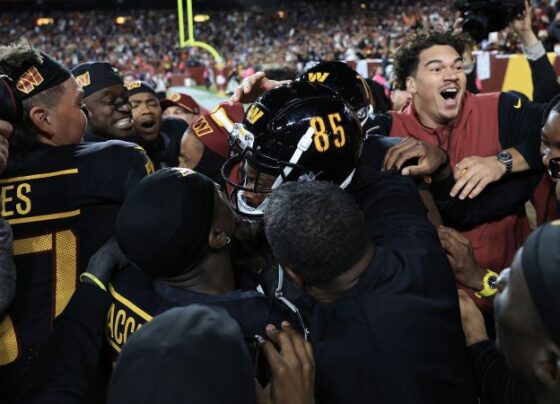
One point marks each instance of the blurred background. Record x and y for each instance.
(141, 37)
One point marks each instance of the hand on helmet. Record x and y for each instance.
(252, 87)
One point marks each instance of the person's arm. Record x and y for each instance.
(7, 267)
(457, 213)
(394, 212)
(545, 85)
(493, 379)
(519, 134)
(69, 360)
(498, 200)
(252, 87)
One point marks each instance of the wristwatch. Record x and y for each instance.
(506, 159)
(489, 283)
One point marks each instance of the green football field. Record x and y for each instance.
(208, 99)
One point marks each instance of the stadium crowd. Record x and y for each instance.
(147, 42)
(309, 241)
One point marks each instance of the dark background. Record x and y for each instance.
(198, 5)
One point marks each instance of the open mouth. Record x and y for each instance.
(148, 125)
(123, 123)
(449, 95)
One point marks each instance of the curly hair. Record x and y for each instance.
(407, 56)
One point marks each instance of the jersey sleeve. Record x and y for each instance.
(498, 200)
(520, 126)
(140, 166)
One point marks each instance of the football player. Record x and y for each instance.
(160, 138)
(61, 198)
(301, 132)
(107, 100)
(182, 255)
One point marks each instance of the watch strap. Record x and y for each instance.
(489, 283)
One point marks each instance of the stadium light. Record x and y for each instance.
(44, 21)
(201, 18)
(120, 20)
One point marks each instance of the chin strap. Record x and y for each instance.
(278, 294)
(302, 146)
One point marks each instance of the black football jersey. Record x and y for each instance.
(62, 203)
(137, 298)
(165, 150)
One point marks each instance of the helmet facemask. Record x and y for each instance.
(277, 171)
(297, 132)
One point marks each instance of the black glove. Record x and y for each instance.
(103, 263)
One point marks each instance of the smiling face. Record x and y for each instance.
(110, 110)
(438, 86)
(146, 114)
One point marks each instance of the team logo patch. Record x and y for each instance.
(84, 79)
(175, 97)
(29, 80)
(133, 85)
(202, 127)
(254, 114)
(320, 77)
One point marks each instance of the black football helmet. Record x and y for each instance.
(299, 131)
(344, 80)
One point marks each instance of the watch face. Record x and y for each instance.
(493, 282)
(504, 155)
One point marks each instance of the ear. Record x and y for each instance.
(411, 85)
(218, 239)
(296, 279)
(42, 120)
(547, 366)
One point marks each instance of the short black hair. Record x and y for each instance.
(408, 54)
(280, 73)
(315, 229)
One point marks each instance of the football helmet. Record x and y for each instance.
(299, 131)
(344, 80)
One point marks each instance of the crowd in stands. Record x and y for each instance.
(311, 241)
(147, 42)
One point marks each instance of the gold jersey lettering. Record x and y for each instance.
(6, 198)
(23, 207)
